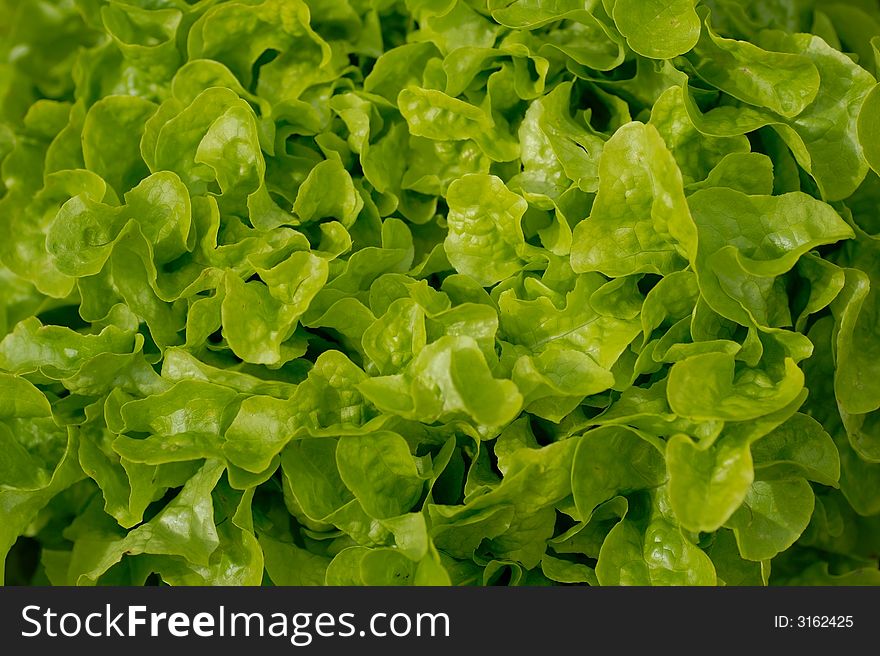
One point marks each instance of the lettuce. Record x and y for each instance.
(458, 292)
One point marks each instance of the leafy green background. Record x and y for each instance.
(389, 292)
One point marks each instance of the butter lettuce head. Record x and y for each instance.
(471, 292)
